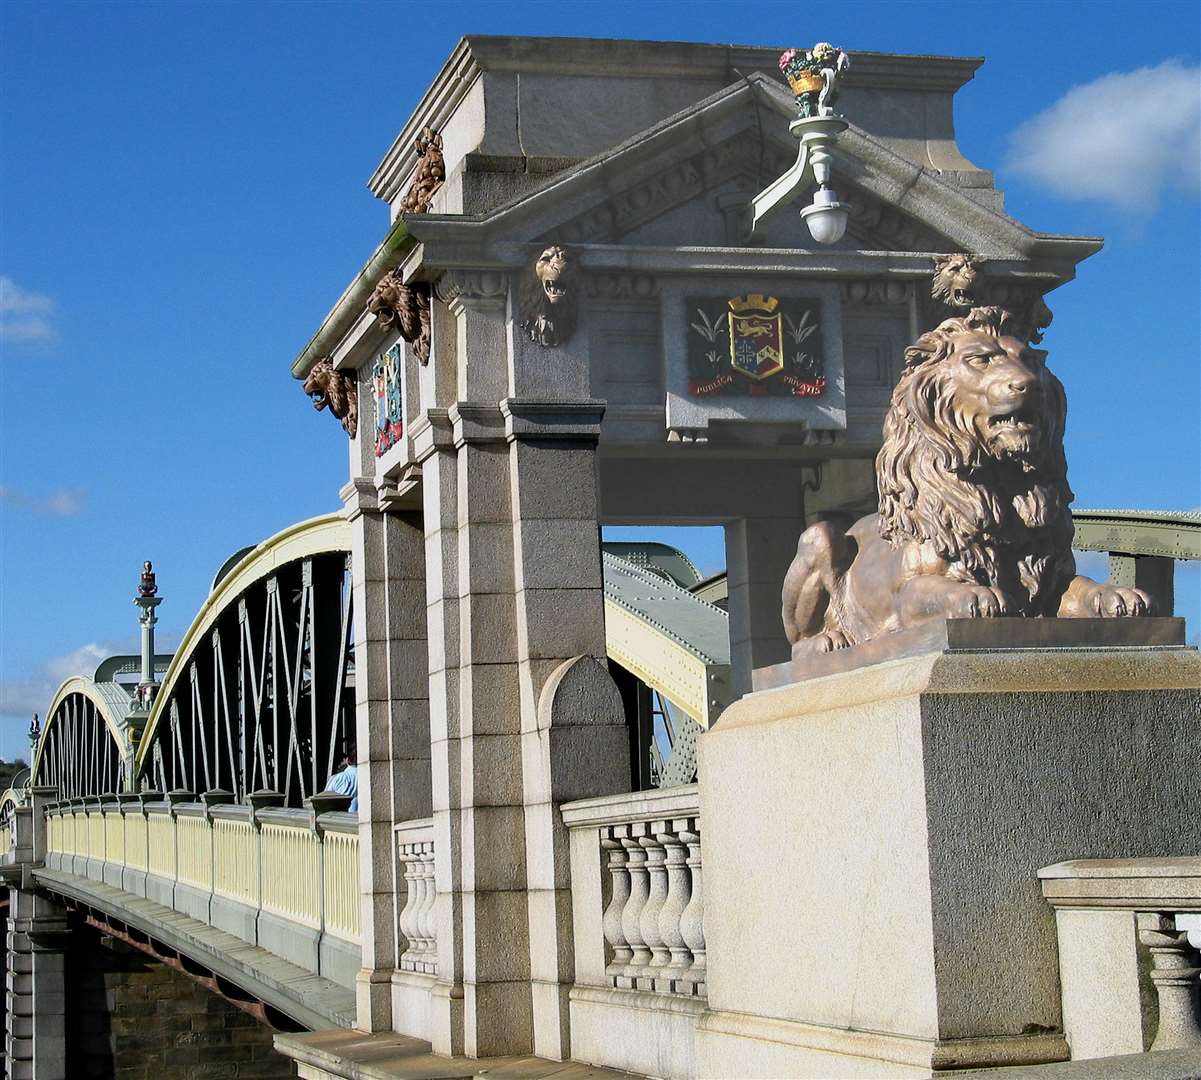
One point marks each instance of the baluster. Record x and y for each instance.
(416, 879)
(679, 893)
(648, 922)
(692, 927)
(405, 922)
(632, 912)
(619, 893)
(1175, 975)
(425, 918)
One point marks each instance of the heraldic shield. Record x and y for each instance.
(756, 336)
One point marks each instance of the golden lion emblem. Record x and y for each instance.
(548, 299)
(974, 499)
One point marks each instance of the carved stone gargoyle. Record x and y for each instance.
(548, 298)
(974, 497)
(405, 308)
(429, 174)
(335, 390)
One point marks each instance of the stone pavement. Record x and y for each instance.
(358, 1056)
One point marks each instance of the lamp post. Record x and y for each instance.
(147, 600)
(813, 76)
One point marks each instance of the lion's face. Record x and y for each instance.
(384, 303)
(997, 390)
(955, 279)
(553, 274)
(317, 384)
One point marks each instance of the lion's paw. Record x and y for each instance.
(1116, 602)
(977, 602)
(830, 640)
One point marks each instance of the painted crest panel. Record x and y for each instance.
(387, 391)
(755, 345)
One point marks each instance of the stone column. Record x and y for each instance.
(573, 733)
(373, 727)
(36, 988)
(435, 450)
(758, 552)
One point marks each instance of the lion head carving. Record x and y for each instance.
(955, 280)
(335, 390)
(429, 174)
(973, 441)
(404, 308)
(548, 298)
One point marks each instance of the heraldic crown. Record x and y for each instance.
(753, 302)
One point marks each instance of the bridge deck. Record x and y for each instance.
(397, 1057)
(312, 1001)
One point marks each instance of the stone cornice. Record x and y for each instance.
(594, 57)
(529, 419)
(431, 431)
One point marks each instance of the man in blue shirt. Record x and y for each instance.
(346, 780)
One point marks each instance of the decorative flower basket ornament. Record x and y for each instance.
(811, 75)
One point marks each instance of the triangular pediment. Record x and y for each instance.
(681, 183)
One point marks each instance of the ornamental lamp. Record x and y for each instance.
(813, 76)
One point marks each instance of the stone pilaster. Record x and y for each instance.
(373, 726)
(574, 744)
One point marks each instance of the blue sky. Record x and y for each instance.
(182, 198)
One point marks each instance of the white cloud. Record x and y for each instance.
(24, 697)
(66, 502)
(1121, 139)
(25, 317)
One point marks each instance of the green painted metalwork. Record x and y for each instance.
(1172, 534)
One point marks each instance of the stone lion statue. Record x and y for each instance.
(335, 389)
(548, 299)
(405, 308)
(974, 498)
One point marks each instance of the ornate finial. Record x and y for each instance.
(147, 585)
(35, 729)
(812, 74)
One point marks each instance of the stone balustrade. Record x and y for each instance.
(1130, 972)
(415, 855)
(638, 929)
(286, 880)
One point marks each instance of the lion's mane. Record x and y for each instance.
(938, 483)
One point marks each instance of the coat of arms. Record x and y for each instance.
(388, 394)
(755, 345)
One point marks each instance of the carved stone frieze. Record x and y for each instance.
(467, 287)
(877, 226)
(870, 293)
(428, 176)
(404, 308)
(973, 515)
(335, 390)
(621, 286)
(674, 186)
(548, 298)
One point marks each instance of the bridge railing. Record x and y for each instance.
(286, 880)
(638, 929)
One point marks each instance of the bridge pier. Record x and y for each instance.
(35, 1040)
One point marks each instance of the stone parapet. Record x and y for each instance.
(887, 898)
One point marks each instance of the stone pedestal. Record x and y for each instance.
(873, 838)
